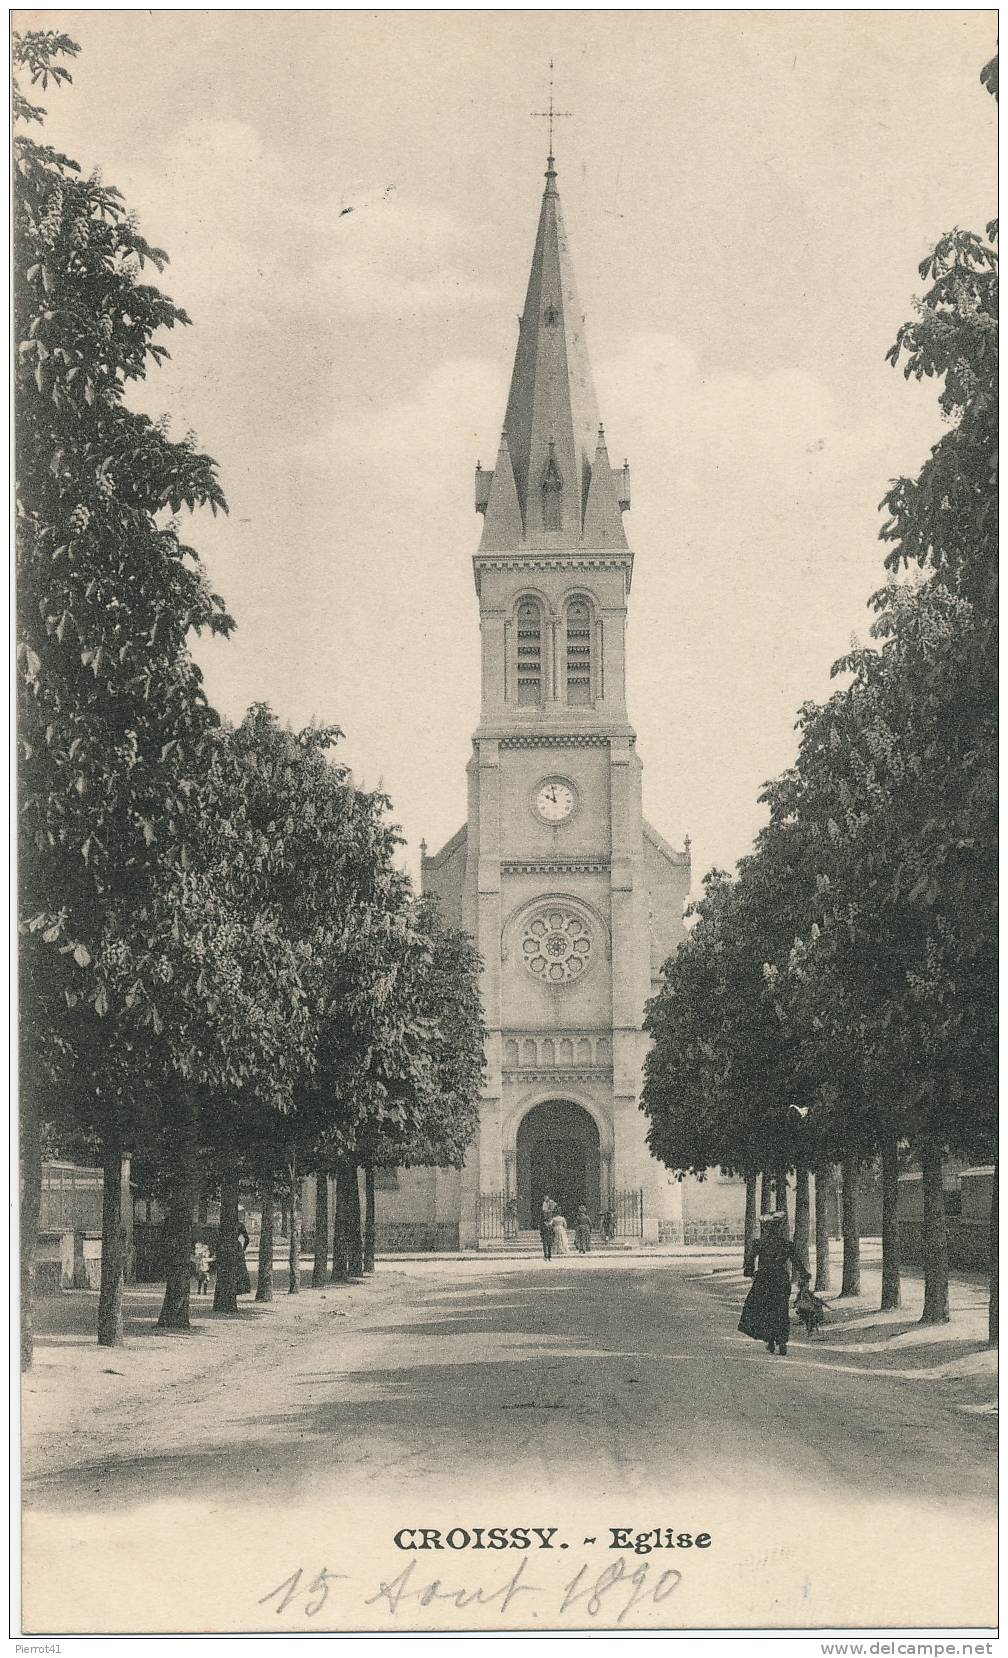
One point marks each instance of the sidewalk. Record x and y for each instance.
(72, 1377)
(896, 1341)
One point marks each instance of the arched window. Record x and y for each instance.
(530, 652)
(551, 490)
(578, 652)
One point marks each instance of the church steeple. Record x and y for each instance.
(552, 420)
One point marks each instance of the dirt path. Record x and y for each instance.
(588, 1396)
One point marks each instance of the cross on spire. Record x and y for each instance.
(550, 114)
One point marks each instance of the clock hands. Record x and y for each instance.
(554, 800)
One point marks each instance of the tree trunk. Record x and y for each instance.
(825, 1200)
(113, 1259)
(31, 1203)
(850, 1176)
(178, 1229)
(344, 1228)
(751, 1228)
(936, 1307)
(225, 1301)
(766, 1193)
(264, 1273)
(340, 1241)
(294, 1253)
(355, 1249)
(890, 1225)
(321, 1229)
(780, 1198)
(801, 1214)
(992, 1314)
(369, 1218)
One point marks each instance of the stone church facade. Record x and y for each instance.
(573, 899)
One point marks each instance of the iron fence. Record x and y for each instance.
(626, 1214)
(496, 1217)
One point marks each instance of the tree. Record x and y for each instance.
(945, 522)
(870, 898)
(111, 712)
(442, 980)
(723, 1084)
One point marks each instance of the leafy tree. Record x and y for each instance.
(720, 1077)
(900, 773)
(111, 713)
(879, 950)
(444, 1117)
(300, 851)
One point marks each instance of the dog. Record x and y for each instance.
(811, 1311)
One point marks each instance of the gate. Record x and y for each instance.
(628, 1214)
(496, 1217)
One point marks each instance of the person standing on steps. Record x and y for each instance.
(549, 1209)
(766, 1314)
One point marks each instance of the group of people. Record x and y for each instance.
(554, 1234)
(766, 1314)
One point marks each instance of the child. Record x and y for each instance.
(811, 1311)
(201, 1267)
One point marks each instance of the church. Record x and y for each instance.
(573, 899)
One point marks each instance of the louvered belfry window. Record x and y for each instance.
(530, 652)
(578, 652)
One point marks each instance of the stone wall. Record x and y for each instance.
(416, 1237)
(715, 1231)
(670, 1231)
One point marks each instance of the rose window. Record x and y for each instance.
(556, 945)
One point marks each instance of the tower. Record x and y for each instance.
(572, 899)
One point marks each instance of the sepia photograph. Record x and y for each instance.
(505, 811)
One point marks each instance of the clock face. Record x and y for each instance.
(554, 800)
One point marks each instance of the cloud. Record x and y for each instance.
(360, 247)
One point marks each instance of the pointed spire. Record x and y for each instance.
(552, 396)
(502, 528)
(603, 522)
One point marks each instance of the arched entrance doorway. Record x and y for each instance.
(557, 1155)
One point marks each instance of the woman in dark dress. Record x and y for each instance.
(766, 1315)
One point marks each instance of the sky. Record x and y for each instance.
(350, 200)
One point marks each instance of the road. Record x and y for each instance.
(841, 1485)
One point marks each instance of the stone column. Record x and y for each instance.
(551, 664)
(494, 631)
(468, 1197)
(635, 1169)
(484, 1169)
